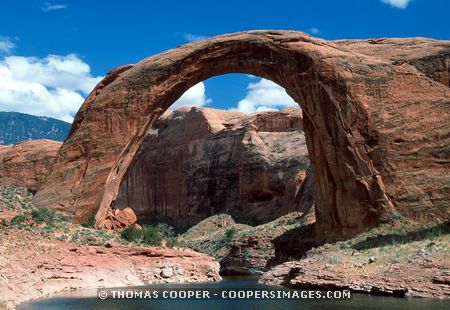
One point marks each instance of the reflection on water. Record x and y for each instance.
(87, 300)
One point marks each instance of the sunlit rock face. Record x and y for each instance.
(196, 162)
(376, 124)
(26, 164)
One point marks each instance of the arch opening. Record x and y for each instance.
(196, 162)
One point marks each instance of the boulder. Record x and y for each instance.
(118, 219)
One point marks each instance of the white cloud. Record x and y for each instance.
(190, 37)
(194, 96)
(400, 4)
(47, 7)
(6, 45)
(264, 95)
(314, 30)
(53, 86)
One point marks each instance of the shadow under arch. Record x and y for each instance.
(326, 79)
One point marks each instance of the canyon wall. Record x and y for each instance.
(27, 163)
(197, 162)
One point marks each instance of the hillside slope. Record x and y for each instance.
(16, 127)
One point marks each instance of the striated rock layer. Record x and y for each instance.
(377, 128)
(45, 266)
(27, 163)
(431, 57)
(423, 277)
(197, 162)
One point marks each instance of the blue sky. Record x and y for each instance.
(52, 53)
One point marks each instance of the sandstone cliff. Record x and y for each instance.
(27, 163)
(197, 162)
(431, 57)
(376, 156)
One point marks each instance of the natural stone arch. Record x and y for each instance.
(354, 107)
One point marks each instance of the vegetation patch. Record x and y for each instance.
(43, 215)
(161, 234)
(216, 234)
(387, 245)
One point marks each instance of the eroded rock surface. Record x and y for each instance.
(118, 219)
(27, 163)
(197, 162)
(376, 128)
(49, 266)
(421, 277)
(431, 57)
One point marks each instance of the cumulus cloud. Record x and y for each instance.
(194, 97)
(6, 45)
(52, 86)
(400, 4)
(190, 37)
(264, 95)
(314, 30)
(47, 7)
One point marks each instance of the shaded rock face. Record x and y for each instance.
(376, 128)
(197, 162)
(26, 164)
(247, 256)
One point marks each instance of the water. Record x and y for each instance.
(86, 299)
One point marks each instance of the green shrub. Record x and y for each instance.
(166, 230)
(230, 233)
(152, 235)
(278, 148)
(19, 219)
(246, 253)
(131, 233)
(43, 215)
(90, 221)
(172, 241)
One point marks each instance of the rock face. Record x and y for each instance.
(431, 57)
(197, 162)
(248, 255)
(376, 128)
(26, 164)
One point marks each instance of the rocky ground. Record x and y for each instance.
(402, 262)
(56, 255)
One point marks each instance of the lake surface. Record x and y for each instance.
(86, 299)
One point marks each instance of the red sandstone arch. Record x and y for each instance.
(360, 116)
